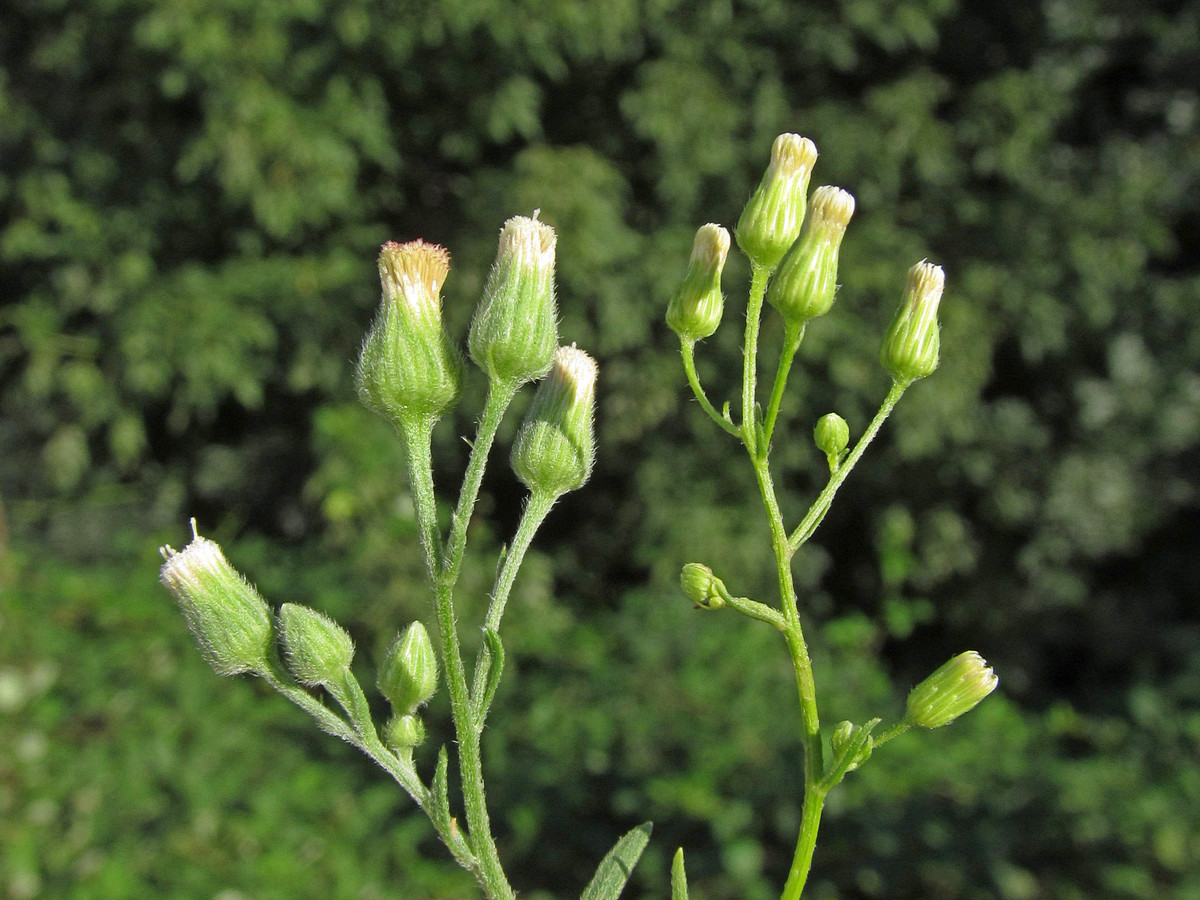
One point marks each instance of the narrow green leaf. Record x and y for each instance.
(441, 793)
(491, 640)
(614, 870)
(678, 877)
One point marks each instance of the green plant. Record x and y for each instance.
(793, 264)
(410, 373)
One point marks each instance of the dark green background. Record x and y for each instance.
(192, 194)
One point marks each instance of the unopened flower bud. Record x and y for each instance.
(772, 218)
(515, 329)
(318, 650)
(554, 449)
(701, 586)
(910, 348)
(695, 310)
(804, 286)
(404, 732)
(843, 736)
(408, 675)
(956, 688)
(408, 368)
(832, 435)
(230, 621)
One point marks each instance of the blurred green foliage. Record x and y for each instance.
(191, 197)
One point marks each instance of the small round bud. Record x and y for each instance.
(695, 310)
(408, 675)
(843, 736)
(832, 435)
(404, 732)
(701, 586)
(408, 368)
(956, 688)
(555, 447)
(317, 649)
(772, 218)
(515, 329)
(806, 282)
(230, 621)
(910, 348)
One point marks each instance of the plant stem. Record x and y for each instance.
(758, 289)
(814, 797)
(490, 873)
(499, 396)
(792, 336)
(821, 506)
(536, 509)
(687, 349)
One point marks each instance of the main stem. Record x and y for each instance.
(757, 444)
(420, 467)
(814, 796)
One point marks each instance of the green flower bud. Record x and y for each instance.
(771, 220)
(843, 735)
(230, 620)
(404, 732)
(832, 435)
(408, 368)
(318, 650)
(910, 349)
(956, 688)
(554, 449)
(408, 675)
(695, 310)
(701, 586)
(804, 286)
(515, 329)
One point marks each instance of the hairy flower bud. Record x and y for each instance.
(910, 348)
(842, 737)
(403, 732)
(318, 650)
(804, 286)
(554, 449)
(955, 688)
(515, 329)
(772, 218)
(408, 368)
(701, 586)
(832, 435)
(408, 675)
(230, 621)
(695, 310)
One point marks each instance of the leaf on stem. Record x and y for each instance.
(614, 870)
(495, 668)
(678, 877)
(440, 811)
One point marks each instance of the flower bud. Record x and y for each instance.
(515, 329)
(408, 675)
(230, 620)
(695, 310)
(404, 732)
(318, 650)
(956, 688)
(408, 368)
(832, 435)
(910, 348)
(701, 586)
(554, 449)
(804, 286)
(843, 736)
(771, 220)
